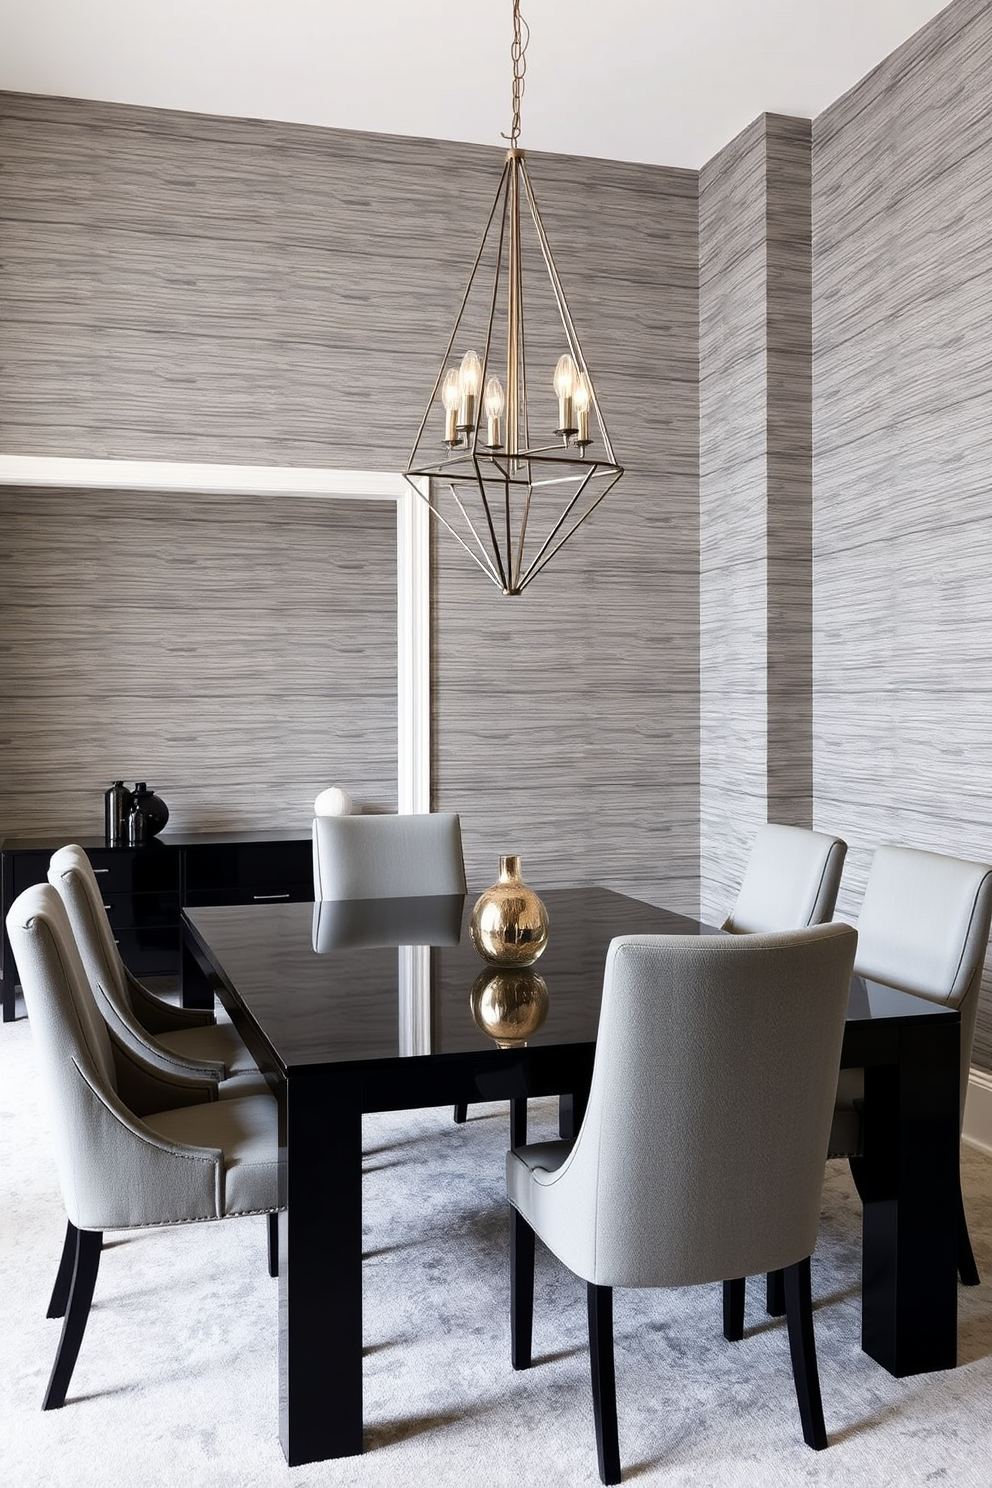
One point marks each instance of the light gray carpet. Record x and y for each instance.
(176, 1381)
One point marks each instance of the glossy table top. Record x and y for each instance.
(324, 984)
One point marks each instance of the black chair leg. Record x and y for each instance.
(733, 1309)
(967, 1270)
(460, 1113)
(63, 1277)
(802, 1345)
(775, 1294)
(599, 1301)
(89, 1243)
(273, 1228)
(521, 1290)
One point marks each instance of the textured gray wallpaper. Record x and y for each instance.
(239, 655)
(902, 322)
(180, 287)
(755, 497)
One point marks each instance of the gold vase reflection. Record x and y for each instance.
(509, 1004)
(509, 923)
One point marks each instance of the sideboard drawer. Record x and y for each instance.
(124, 911)
(290, 893)
(149, 951)
(135, 870)
(29, 868)
(239, 873)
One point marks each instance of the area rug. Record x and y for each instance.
(176, 1384)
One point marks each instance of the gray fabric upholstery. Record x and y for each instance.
(127, 1154)
(791, 880)
(161, 1033)
(924, 927)
(700, 1157)
(387, 857)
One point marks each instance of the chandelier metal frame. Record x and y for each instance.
(491, 479)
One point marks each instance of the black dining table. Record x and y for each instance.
(369, 1006)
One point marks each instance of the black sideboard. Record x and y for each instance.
(145, 888)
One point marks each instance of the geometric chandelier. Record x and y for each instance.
(512, 503)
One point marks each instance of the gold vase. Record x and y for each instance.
(509, 923)
(509, 1005)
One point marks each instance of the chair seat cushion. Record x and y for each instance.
(247, 1132)
(216, 1041)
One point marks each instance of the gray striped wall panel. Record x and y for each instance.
(755, 496)
(732, 514)
(239, 655)
(902, 302)
(181, 287)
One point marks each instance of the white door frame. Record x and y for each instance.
(413, 703)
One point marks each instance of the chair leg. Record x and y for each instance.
(775, 1294)
(273, 1229)
(63, 1277)
(599, 1301)
(460, 1113)
(967, 1269)
(733, 1309)
(89, 1243)
(521, 1290)
(802, 1345)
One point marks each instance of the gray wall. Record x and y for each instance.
(902, 302)
(189, 288)
(755, 497)
(238, 654)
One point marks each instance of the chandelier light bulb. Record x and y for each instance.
(451, 397)
(565, 379)
(470, 384)
(494, 403)
(581, 403)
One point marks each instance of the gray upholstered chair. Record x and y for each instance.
(923, 927)
(186, 1040)
(700, 1157)
(387, 857)
(791, 880)
(134, 1145)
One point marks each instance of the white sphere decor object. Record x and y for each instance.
(334, 802)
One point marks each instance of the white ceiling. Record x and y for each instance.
(668, 82)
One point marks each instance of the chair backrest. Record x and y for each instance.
(73, 1046)
(791, 881)
(924, 927)
(71, 873)
(387, 857)
(701, 1155)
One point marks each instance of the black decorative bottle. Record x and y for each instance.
(149, 814)
(117, 810)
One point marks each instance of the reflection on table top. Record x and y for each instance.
(328, 983)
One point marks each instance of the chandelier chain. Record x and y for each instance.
(521, 36)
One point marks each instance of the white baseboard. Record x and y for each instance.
(978, 1111)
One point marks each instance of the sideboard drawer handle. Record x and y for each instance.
(258, 897)
(108, 907)
(101, 870)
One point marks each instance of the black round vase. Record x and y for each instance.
(152, 808)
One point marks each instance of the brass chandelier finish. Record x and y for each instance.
(512, 502)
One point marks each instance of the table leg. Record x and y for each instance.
(908, 1180)
(320, 1269)
(194, 985)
